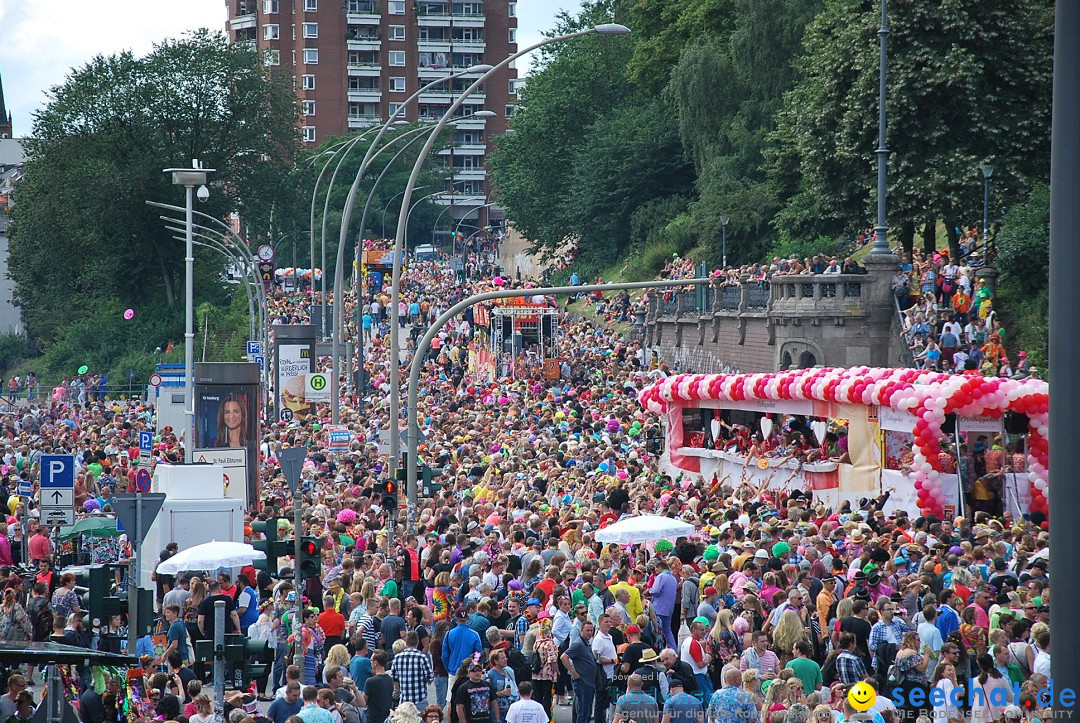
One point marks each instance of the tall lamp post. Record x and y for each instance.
(881, 240)
(395, 288)
(987, 172)
(189, 178)
(723, 235)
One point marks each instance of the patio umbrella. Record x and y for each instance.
(96, 526)
(645, 528)
(211, 555)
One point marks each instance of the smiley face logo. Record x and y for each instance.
(862, 697)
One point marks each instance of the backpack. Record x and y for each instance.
(828, 671)
(42, 623)
(886, 656)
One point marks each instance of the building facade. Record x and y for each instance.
(354, 62)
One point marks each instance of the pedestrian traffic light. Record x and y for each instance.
(94, 584)
(271, 546)
(429, 475)
(310, 563)
(389, 501)
(258, 659)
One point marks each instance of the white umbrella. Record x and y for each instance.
(210, 556)
(645, 528)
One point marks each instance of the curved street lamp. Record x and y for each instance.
(395, 371)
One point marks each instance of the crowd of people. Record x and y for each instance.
(504, 606)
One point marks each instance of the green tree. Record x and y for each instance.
(662, 29)
(563, 155)
(969, 82)
(726, 132)
(83, 238)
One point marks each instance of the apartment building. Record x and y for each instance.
(354, 63)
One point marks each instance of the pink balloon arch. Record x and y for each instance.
(928, 395)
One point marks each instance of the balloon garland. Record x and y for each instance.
(928, 395)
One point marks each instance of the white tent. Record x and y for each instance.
(645, 528)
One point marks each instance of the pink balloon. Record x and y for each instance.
(129, 314)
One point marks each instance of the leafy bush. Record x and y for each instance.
(1023, 245)
(785, 246)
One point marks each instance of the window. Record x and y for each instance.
(294, 58)
(394, 108)
(309, 107)
(270, 7)
(513, 35)
(397, 58)
(511, 10)
(311, 56)
(509, 111)
(397, 85)
(311, 6)
(271, 32)
(311, 30)
(309, 134)
(397, 32)
(513, 87)
(307, 82)
(272, 57)
(396, 7)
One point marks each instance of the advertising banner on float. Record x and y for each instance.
(227, 398)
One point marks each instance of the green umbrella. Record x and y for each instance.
(95, 526)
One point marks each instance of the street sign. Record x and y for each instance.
(260, 360)
(292, 462)
(317, 387)
(155, 380)
(146, 447)
(26, 489)
(142, 480)
(58, 489)
(124, 505)
(254, 347)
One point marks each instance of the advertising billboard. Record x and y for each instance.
(294, 357)
(227, 397)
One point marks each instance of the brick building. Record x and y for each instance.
(355, 61)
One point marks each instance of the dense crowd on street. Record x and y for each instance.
(504, 606)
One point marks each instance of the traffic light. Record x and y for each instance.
(428, 474)
(389, 500)
(271, 546)
(94, 583)
(310, 563)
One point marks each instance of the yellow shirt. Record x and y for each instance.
(633, 606)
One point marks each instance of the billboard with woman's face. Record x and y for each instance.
(227, 418)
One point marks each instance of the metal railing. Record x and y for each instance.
(758, 295)
(730, 297)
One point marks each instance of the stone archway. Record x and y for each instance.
(800, 354)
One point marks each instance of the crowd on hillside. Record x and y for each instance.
(505, 605)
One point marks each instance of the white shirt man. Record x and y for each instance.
(603, 646)
(953, 327)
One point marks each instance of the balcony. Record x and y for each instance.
(364, 121)
(365, 95)
(242, 22)
(364, 69)
(363, 12)
(466, 149)
(460, 199)
(470, 174)
(437, 45)
(468, 46)
(363, 43)
(444, 19)
(471, 124)
(441, 71)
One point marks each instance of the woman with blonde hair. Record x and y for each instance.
(751, 683)
(775, 699)
(787, 632)
(723, 645)
(337, 655)
(15, 624)
(190, 613)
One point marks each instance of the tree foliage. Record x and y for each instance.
(83, 240)
(662, 29)
(727, 89)
(968, 82)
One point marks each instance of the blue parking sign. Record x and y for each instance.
(146, 441)
(254, 347)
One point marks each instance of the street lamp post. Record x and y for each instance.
(189, 178)
(987, 172)
(723, 234)
(395, 289)
(881, 240)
